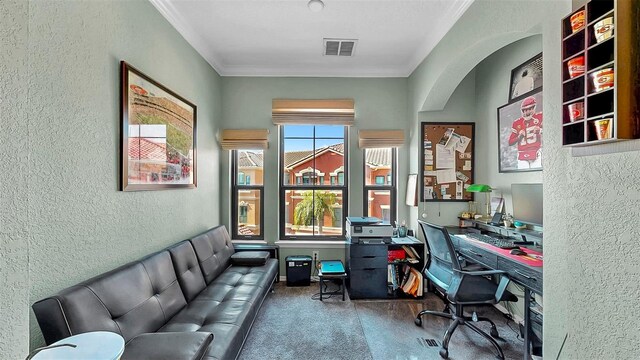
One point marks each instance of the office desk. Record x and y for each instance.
(529, 277)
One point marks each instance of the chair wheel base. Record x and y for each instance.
(494, 332)
(444, 353)
(418, 321)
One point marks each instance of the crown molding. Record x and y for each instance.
(302, 71)
(451, 17)
(198, 43)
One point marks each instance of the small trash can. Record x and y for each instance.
(298, 270)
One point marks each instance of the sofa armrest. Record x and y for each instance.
(168, 346)
(250, 258)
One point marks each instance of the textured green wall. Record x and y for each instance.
(14, 236)
(76, 222)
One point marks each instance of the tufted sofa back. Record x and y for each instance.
(133, 299)
(139, 297)
(213, 249)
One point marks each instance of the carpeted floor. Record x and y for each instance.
(293, 326)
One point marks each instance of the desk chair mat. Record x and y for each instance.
(523, 259)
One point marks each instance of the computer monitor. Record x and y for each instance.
(527, 203)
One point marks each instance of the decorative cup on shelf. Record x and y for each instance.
(604, 128)
(402, 231)
(603, 79)
(577, 21)
(576, 66)
(576, 111)
(603, 29)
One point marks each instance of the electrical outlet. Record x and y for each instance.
(316, 255)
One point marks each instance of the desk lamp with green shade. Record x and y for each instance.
(482, 188)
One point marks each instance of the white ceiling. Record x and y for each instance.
(284, 38)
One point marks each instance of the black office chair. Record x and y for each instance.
(459, 287)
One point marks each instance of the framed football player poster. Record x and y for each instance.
(520, 135)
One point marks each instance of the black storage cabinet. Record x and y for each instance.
(298, 270)
(367, 271)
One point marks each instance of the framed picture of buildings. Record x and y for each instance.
(447, 161)
(158, 135)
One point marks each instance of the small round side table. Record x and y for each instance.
(96, 345)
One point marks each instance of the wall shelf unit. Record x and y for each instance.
(617, 51)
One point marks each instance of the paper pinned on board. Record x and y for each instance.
(462, 144)
(459, 189)
(445, 158)
(462, 176)
(428, 192)
(453, 141)
(446, 176)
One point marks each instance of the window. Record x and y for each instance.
(312, 207)
(380, 195)
(247, 198)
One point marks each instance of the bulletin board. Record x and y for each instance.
(447, 161)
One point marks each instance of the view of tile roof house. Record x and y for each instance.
(300, 170)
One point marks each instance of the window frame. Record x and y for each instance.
(282, 188)
(235, 191)
(392, 188)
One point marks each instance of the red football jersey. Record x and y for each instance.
(531, 140)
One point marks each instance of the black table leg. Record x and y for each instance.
(527, 304)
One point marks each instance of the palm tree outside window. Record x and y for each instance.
(313, 205)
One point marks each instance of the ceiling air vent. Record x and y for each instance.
(339, 47)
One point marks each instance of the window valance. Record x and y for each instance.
(244, 139)
(368, 139)
(317, 112)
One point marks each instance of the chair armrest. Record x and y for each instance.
(168, 345)
(250, 258)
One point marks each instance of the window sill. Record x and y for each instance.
(316, 244)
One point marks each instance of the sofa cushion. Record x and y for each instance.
(168, 346)
(249, 258)
(214, 249)
(229, 304)
(164, 282)
(250, 275)
(187, 269)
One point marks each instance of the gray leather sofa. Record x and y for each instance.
(189, 301)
